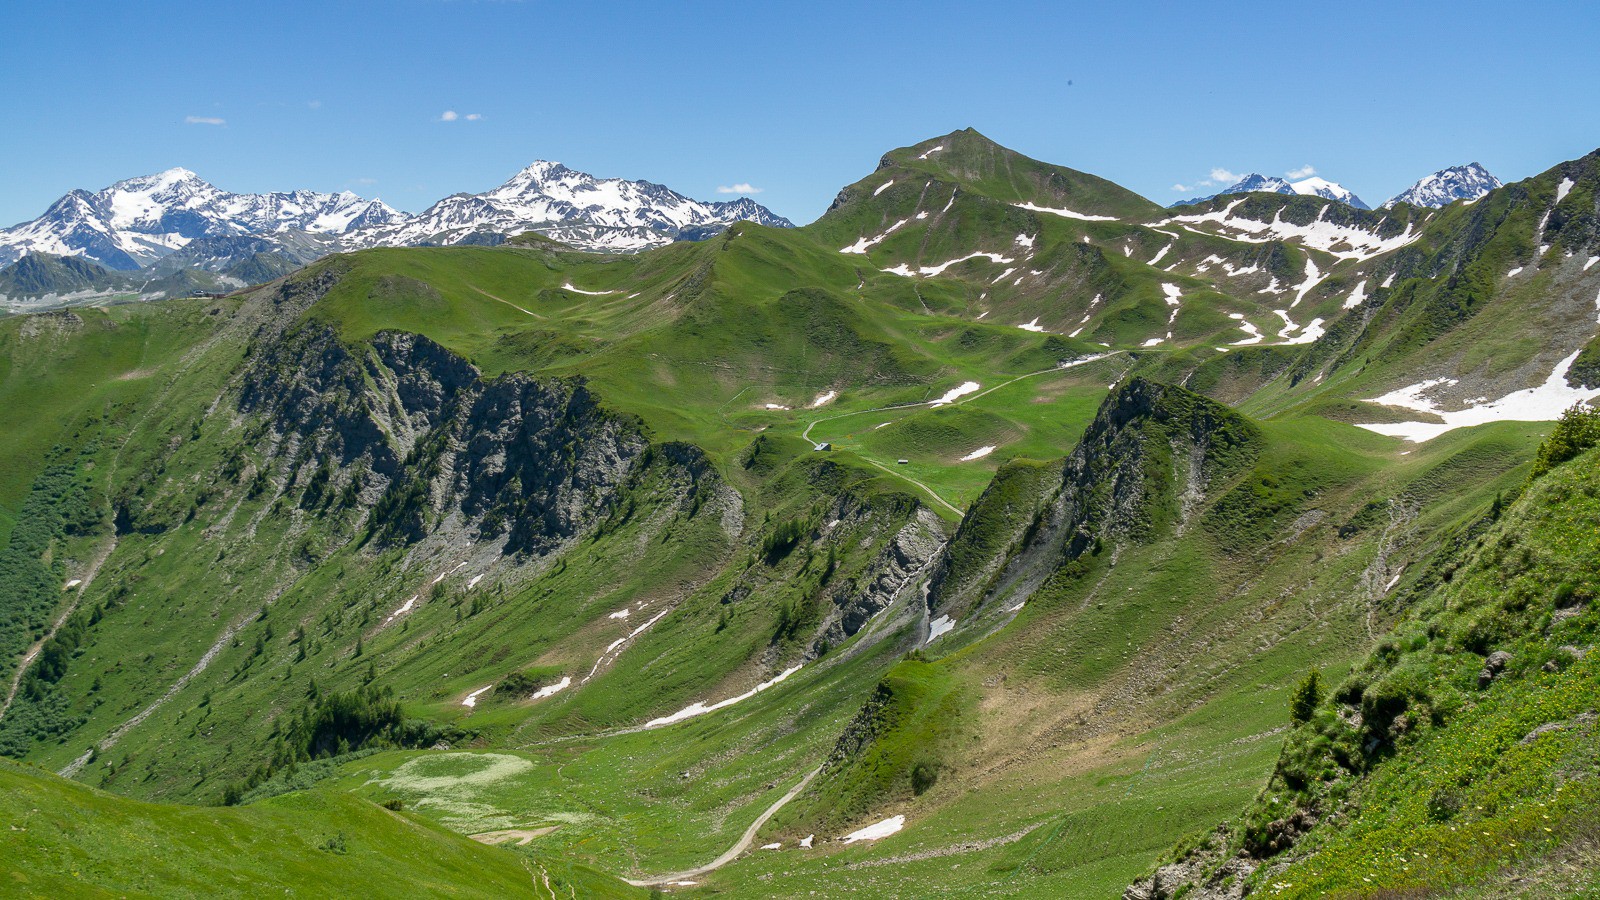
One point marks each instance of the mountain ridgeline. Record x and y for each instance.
(1000, 533)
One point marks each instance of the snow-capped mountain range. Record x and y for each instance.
(606, 214)
(1311, 187)
(137, 223)
(1468, 182)
(1446, 186)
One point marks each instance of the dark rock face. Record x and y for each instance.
(1151, 454)
(425, 442)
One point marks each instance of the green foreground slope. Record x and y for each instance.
(68, 840)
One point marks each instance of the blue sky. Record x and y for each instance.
(795, 99)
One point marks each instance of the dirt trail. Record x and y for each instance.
(806, 435)
(110, 740)
(72, 607)
(739, 847)
(519, 836)
(506, 302)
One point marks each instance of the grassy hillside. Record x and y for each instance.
(998, 500)
(66, 839)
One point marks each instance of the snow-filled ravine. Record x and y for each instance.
(1543, 403)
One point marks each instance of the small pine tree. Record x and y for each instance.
(1307, 694)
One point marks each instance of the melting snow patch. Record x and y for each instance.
(1026, 240)
(1313, 331)
(939, 628)
(578, 290)
(1563, 189)
(622, 613)
(699, 708)
(1172, 292)
(930, 151)
(72, 584)
(1321, 234)
(1149, 343)
(939, 269)
(777, 846)
(1357, 296)
(552, 689)
(1250, 329)
(1513, 273)
(876, 832)
(961, 390)
(979, 453)
(1157, 258)
(866, 243)
(472, 698)
(806, 841)
(1032, 326)
(776, 406)
(1312, 277)
(883, 187)
(448, 572)
(824, 398)
(1536, 404)
(903, 270)
(1390, 280)
(404, 608)
(1590, 264)
(474, 582)
(1065, 213)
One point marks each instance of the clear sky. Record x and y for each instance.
(411, 100)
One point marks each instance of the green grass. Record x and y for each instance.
(66, 839)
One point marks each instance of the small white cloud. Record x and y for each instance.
(740, 188)
(314, 104)
(473, 117)
(1223, 176)
(204, 120)
(1305, 171)
(449, 115)
(366, 181)
(1184, 188)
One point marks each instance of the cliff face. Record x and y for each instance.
(419, 441)
(1146, 465)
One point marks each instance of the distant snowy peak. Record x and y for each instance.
(1251, 183)
(1321, 187)
(1446, 186)
(138, 221)
(1254, 183)
(603, 214)
(1311, 187)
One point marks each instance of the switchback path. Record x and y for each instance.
(739, 847)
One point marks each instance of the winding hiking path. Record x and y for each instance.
(1063, 367)
(739, 847)
(72, 607)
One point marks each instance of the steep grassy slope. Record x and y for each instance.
(68, 840)
(1464, 746)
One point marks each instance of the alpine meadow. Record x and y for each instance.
(999, 533)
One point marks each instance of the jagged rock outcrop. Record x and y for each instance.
(1150, 458)
(420, 441)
